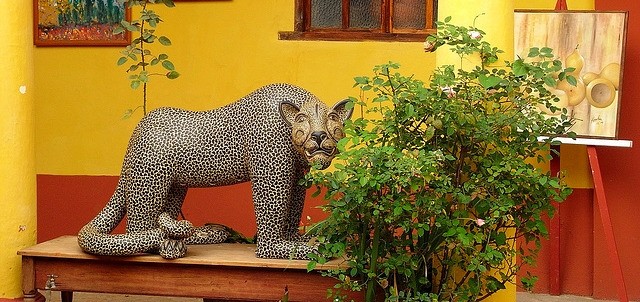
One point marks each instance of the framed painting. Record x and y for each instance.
(79, 23)
(591, 42)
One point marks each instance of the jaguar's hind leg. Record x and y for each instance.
(174, 246)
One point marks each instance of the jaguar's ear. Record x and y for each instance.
(288, 111)
(344, 109)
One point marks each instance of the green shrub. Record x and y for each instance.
(427, 199)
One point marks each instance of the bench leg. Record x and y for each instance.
(34, 297)
(66, 296)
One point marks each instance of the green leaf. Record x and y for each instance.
(164, 41)
(501, 238)
(122, 60)
(311, 266)
(128, 26)
(397, 211)
(118, 30)
(127, 114)
(149, 38)
(173, 74)
(447, 19)
(519, 68)
(162, 56)
(135, 84)
(543, 180)
(429, 133)
(562, 75)
(361, 80)
(546, 50)
(168, 65)
(549, 81)
(409, 110)
(489, 81)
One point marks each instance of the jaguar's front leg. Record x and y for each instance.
(296, 207)
(272, 198)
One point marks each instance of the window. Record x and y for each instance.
(393, 20)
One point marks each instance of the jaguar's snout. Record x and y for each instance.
(318, 137)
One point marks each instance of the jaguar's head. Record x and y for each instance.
(316, 129)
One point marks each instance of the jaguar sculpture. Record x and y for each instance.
(270, 137)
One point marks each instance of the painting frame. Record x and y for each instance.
(51, 34)
(599, 37)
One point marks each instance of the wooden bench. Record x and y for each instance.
(220, 272)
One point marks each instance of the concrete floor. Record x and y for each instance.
(90, 297)
(527, 297)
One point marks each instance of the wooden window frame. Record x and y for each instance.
(303, 30)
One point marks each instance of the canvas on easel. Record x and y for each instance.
(593, 43)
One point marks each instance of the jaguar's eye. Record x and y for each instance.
(300, 118)
(334, 117)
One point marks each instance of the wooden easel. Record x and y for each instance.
(599, 197)
(605, 218)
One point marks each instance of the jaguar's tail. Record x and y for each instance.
(95, 237)
(169, 239)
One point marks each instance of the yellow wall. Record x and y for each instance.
(17, 165)
(223, 50)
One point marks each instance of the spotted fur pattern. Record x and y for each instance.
(269, 138)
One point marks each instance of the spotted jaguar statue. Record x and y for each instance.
(270, 137)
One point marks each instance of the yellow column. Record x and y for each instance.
(17, 151)
(495, 17)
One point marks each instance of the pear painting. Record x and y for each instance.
(592, 45)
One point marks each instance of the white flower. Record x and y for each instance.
(480, 222)
(449, 91)
(474, 34)
(429, 46)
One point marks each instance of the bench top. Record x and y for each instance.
(223, 254)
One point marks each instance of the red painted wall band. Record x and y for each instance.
(66, 203)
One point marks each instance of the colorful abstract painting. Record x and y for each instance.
(78, 22)
(591, 42)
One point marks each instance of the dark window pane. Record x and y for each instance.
(364, 13)
(409, 14)
(326, 13)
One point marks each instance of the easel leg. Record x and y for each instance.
(599, 196)
(66, 296)
(554, 231)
